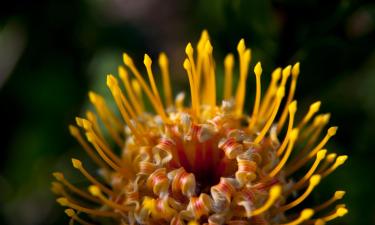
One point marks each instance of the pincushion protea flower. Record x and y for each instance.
(207, 163)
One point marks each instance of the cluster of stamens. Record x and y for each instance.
(205, 163)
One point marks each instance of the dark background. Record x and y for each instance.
(53, 52)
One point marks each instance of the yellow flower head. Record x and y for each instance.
(205, 163)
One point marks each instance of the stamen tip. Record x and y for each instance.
(241, 46)
(62, 201)
(307, 214)
(258, 69)
(189, 49)
(321, 154)
(76, 163)
(94, 190)
(342, 211)
(295, 69)
(315, 180)
(127, 60)
(339, 194)
(315, 106)
(332, 131)
(147, 61)
(58, 176)
(70, 212)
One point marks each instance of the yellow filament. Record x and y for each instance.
(295, 73)
(138, 92)
(153, 99)
(88, 127)
(314, 108)
(305, 215)
(193, 90)
(271, 91)
(337, 196)
(60, 177)
(279, 96)
(211, 85)
(125, 80)
(163, 64)
(319, 157)
(111, 83)
(228, 80)
(340, 212)
(106, 115)
(148, 62)
(94, 121)
(95, 191)
(339, 161)
(258, 73)
(201, 51)
(92, 139)
(244, 59)
(314, 181)
(329, 159)
(78, 165)
(292, 111)
(331, 132)
(95, 212)
(77, 135)
(285, 75)
(292, 139)
(274, 193)
(74, 216)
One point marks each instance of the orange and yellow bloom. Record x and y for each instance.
(207, 162)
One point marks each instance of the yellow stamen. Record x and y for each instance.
(271, 91)
(111, 122)
(148, 62)
(292, 139)
(201, 52)
(111, 83)
(314, 108)
(74, 216)
(163, 64)
(295, 73)
(153, 99)
(92, 139)
(319, 157)
(74, 131)
(125, 80)
(88, 127)
(258, 73)
(78, 165)
(340, 212)
(286, 73)
(94, 121)
(95, 191)
(193, 90)
(301, 161)
(244, 59)
(305, 215)
(339, 161)
(279, 96)
(292, 111)
(60, 177)
(228, 80)
(66, 202)
(138, 92)
(274, 194)
(314, 181)
(337, 196)
(329, 160)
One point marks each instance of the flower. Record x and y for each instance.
(207, 163)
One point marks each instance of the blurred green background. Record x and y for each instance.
(53, 52)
